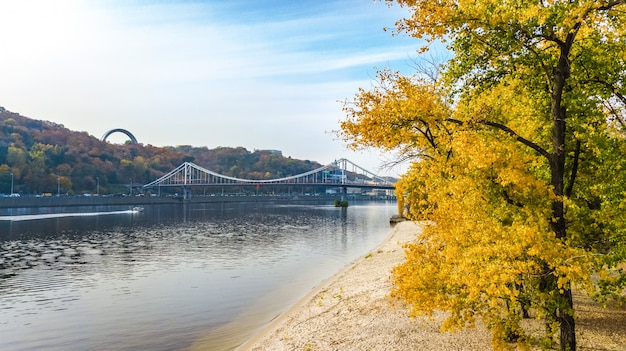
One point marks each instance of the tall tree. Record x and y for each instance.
(517, 160)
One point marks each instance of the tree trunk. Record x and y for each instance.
(565, 316)
(566, 322)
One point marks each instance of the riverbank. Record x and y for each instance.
(67, 201)
(352, 311)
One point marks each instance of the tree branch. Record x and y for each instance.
(512, 133)
(611, 4)
(522, 140)
(510, 201)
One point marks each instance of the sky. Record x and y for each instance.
(265, 74)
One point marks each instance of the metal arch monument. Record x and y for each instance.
(120, 130)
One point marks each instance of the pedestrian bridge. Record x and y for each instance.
(340, 173)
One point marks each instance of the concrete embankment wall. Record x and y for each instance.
(53, 201)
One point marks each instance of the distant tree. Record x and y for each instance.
(16, 157)
(4, 151)
(65, 185)
(5, 179)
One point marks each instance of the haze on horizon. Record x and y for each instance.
(261, 75)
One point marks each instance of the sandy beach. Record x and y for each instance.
(352, 311)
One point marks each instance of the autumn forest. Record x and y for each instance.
(41, 156)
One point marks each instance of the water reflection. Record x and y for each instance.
(161, 278)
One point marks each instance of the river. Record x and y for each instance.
(163, 278)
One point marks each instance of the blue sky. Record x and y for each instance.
(257, 74)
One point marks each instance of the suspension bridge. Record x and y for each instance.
(340, 174)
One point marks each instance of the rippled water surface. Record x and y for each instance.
(172, 276)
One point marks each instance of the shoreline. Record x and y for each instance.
(352, 311)
(280, 319)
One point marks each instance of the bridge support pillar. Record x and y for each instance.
(186, 193)
(344, 193)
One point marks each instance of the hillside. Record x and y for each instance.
(45, 157)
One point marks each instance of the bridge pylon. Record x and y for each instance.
(186, 193)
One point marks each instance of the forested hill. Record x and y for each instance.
(42, 156)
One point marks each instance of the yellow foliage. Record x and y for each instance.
(515, 213)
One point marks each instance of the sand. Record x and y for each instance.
(353, 311)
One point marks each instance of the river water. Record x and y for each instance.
(171, 277)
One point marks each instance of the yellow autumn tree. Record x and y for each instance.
(517, 162)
